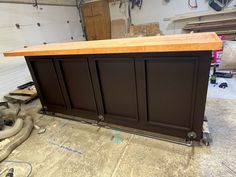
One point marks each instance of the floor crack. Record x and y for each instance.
(122, 156)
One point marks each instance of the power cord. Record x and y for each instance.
(35, 3)
(21, 162)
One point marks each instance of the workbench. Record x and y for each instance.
(156, 84)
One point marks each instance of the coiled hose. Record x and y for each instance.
(13, 130)
(18, 139)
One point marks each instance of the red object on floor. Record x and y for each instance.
(217, 53)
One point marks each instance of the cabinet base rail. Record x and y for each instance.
(188, 141)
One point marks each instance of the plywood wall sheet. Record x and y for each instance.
(118, 28)
(148, 29)
(169, 43)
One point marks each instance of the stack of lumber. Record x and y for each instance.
(228, 34)
(226, 27)
(201, 14)
(148, 29)
(22, 95)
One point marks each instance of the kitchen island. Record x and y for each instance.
(156, 84)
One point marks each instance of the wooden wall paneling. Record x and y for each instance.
(90, 29)
(87, 10)
(98, 7)
(97, 20)
(107, 21)
(100, 28)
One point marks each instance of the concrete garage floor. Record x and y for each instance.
(70, 148)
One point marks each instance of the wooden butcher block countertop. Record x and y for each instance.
(169, 43)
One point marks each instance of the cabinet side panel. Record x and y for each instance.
(47, 81)
(169, 91)
(201, 93)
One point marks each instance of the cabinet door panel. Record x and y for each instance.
(49, 87)
(169, 91)
(78, 84)
(117, 87)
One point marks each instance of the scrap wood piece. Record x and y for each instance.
(148, 29)
(29, 91)
(20, 98)
(211, 24)
(200, 14)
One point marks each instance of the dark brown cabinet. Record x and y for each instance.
(77, 84)
(97, 20)
(170, 82)
(157, 92)
(116, 86)
(47, 82)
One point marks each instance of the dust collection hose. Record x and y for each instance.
(18, 139)
(13, 130)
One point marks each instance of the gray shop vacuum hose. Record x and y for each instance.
(6, 133)
(18, 138)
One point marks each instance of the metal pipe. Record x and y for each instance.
(32, 3)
